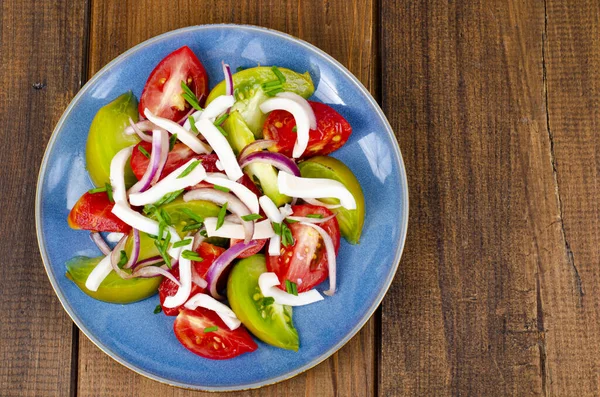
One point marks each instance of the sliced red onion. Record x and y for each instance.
(185, 277)
(216, 108)
(140, 133)
(286, 210)
(268, 282)
(331, 263)
(228, 79)
(256, 146)
(155, 271)
(277, 160)
(210, 303)
(160, 140)
(221, 147)
(196, 279)
(114, 237)
(311, 220)
(246, 195)
(303, 114)
(234, 205)
(196, 116)
(117, 174)
(185, 136)
(98, 274)
(115, 256)
(295, 186)
(222, 263)
(135, 251)
(304, 103)
(321, 204)
(164, 154)
(100, 243)
(149, 262)
(274, 216)
(144, 126)
(262, 229)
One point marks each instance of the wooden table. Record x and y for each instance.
(496, 106)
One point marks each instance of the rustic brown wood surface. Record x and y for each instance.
(496, 106)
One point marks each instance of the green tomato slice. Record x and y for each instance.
(351, 221)
(107, 137)
(249, 94)
(113, 289)
(271, 323)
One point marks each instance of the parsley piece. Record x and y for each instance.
(193, 127)
(189, 96)
(192, 226)
(211, 329)
(290, 221)
(167, 198)
(221, 188)
(109, 192)
(97, 190)
(157, 309)
(182, 243)
(251, 217)
(221, 217)
(269, 300)
(172, 141)
(221, 119)
(191, 255)
(123, 259)
(163, 252)
(239, 68)
(222, 131)
(144, 152)
(291, 287)
(189, 169)
(314, 216)
(282, 230)
(278, 73)
(192, 215)
(295, 128)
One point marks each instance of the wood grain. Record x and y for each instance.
(41, 48)
(572, 297)
(345, 29)
(472, 308)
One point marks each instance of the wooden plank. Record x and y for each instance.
(342, 28)
(572, 292)
(41, 56)
(468, 311)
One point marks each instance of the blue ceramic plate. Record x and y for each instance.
(144, 342)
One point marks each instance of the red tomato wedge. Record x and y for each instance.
(203, 332)
(93, 212)
(331, 134)
(251, 251)
(305, 262)
(178, 156)
(162, 92)
(208, 253)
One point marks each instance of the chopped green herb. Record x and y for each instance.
(192, 226)
(239, 68)
(221, 188)
(144, 152)
(152, 236)
(167, 198)
(222, 131)
(274, 91)
(157, 309)
(211, 329)
(268, 300)
(182, 243)
(189, 96)
(282, 230)
(123, 259)
(149, 209)
(189, 169)
(165, 215)
(191, 255)
(278, 73)
(277, 228)
(295, 128)
(221, 119)
(192, 215)
(193, 127)
(271, 84)
(314, 216)
(109, 192)
(291, 287)
(172, 141)
(97, 190)
(221, 217)
(251, 217)
(290, 221)
(163, 252)
(203, 233)
(166, 242)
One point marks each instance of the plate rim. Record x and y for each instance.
(317, 360)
